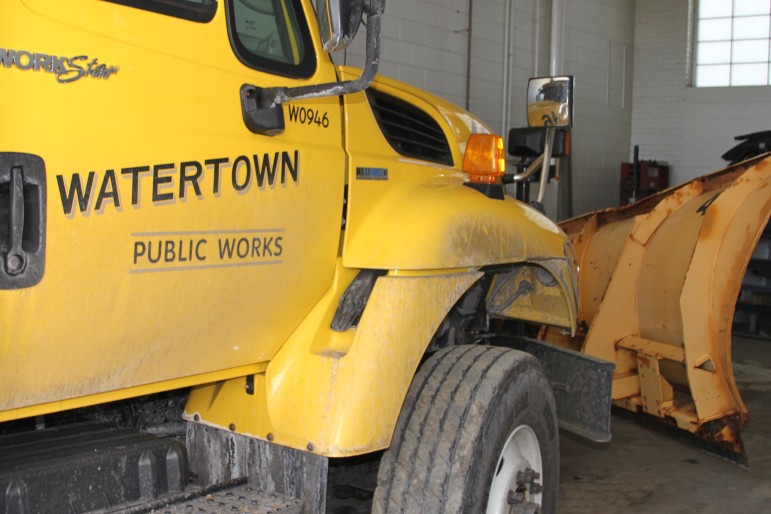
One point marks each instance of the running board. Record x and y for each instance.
(90, 467)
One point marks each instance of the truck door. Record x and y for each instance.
(179, 246)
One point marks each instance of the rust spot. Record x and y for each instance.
(762, 165)
(724, 433)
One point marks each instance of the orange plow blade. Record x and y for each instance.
(658, 283)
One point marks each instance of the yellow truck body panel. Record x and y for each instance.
(182, 249)
(169, 224)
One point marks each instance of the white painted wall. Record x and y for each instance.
(688, 127)
(425, 43)
(631, 63)
(598, 51)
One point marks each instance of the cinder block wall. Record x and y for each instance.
(425, 44)
(599, 52)
(688, 127)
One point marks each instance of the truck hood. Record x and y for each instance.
(461, 122)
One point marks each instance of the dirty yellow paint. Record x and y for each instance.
(340, 394)
(104, 318)
(122, 394)
(106, 322)
(345, 403)
(423, 217)
(532, 293)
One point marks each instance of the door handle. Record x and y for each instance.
(22, 220)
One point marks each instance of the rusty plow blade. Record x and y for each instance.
(658, 284)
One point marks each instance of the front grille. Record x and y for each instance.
(409, 130)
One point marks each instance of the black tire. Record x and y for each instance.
(460, 410)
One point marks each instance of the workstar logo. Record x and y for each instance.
(65, 69)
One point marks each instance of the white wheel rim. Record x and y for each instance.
(520, 453)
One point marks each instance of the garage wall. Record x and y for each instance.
(425, 43)
(599, 52)
(688, 127)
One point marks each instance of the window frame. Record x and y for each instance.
(308, 64)
(184, 9)
(731, 63)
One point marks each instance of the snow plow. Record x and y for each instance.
(658, 284)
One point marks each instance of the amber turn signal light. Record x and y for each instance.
(484, 160)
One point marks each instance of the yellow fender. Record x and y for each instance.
(338, 394)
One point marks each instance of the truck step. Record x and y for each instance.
(232, 496)
(99, 468)
(86, 467)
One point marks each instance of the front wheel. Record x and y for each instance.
(477, 433)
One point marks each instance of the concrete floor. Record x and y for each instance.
(643, 469)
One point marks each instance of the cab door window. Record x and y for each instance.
(272, 36)
(201, 11)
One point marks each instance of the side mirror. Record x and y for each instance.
(338, 22)
(550, 102)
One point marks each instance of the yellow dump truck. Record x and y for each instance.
(197, 203)
(205, 219)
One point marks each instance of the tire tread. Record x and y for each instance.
(427, 464)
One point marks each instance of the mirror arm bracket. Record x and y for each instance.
(546, 164)
(260, 120)
(262, 107)
(531, 168)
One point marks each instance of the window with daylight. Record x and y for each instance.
(732, 43)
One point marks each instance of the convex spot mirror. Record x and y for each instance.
(338, 22)
(550, 102)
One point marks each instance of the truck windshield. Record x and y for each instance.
(272, 36)
(552, 92)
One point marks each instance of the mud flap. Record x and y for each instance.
(218, 455)
(581, 384)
